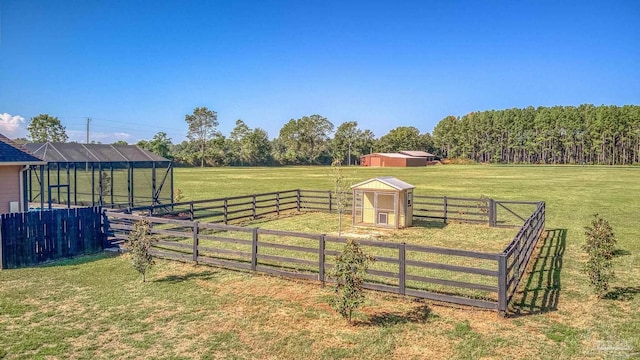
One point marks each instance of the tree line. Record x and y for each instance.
(309, 140)
(586, 134)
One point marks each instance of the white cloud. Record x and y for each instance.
(9, 124)
(103, 137)
(121, 136)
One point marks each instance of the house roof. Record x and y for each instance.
(388, 180)
(417, 153)
(76, 152)
(12, 154)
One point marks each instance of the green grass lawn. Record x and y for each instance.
(97, 306)
(470, 237)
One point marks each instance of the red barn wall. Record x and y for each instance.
(376, 160)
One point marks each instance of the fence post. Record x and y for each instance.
(402, 273)
(254, 249)
(253, 207)
(278, 203)
(502, 285)
(330, 201)
(195, 242)
(225, 211)
(191, 214)
(492, 213)
(298, 200)
(321, 259)
(445, 208)
(1, 245)
(104, 228)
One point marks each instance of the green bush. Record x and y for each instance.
(139, 243)
(349, 271)
(178, 195)
(599, 245)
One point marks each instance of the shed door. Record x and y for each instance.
(385, 209)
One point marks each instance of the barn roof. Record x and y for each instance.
(76, 152)
(417, 153)
(388, 180)
(12, 154)
(394, 155)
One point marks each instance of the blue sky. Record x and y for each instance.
(137, 67)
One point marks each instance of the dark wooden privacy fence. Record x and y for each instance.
(32, 238)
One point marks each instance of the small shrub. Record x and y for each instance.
(349, 271)
(177, 195)
(139, 243)
(106, 184)
(599, 245)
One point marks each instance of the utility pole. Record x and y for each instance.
(88, 121)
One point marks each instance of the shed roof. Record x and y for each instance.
(76, 152)
(12, 154)
(387, 180)
(417, 153)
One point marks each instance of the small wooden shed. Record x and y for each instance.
(383, 202)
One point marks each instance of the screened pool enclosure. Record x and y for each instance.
(114, 176)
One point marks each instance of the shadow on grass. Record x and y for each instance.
(542, 287)
(429, 224)
(420, 314)
(621, 252)
(203, 275)
(623, 293)
(77, 260)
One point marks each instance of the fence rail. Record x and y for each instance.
(32, 238)
(457, 276)
(515, 258)
(463, 277)
(250, 207)
(228, 209)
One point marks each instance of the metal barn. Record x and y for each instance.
(113, 176)
(383, 202)
(392, 160)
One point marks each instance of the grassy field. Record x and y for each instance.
(97, 306)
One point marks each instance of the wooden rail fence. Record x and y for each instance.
(249, 207)
(515, 257)
(457, 276)
(463, 277)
